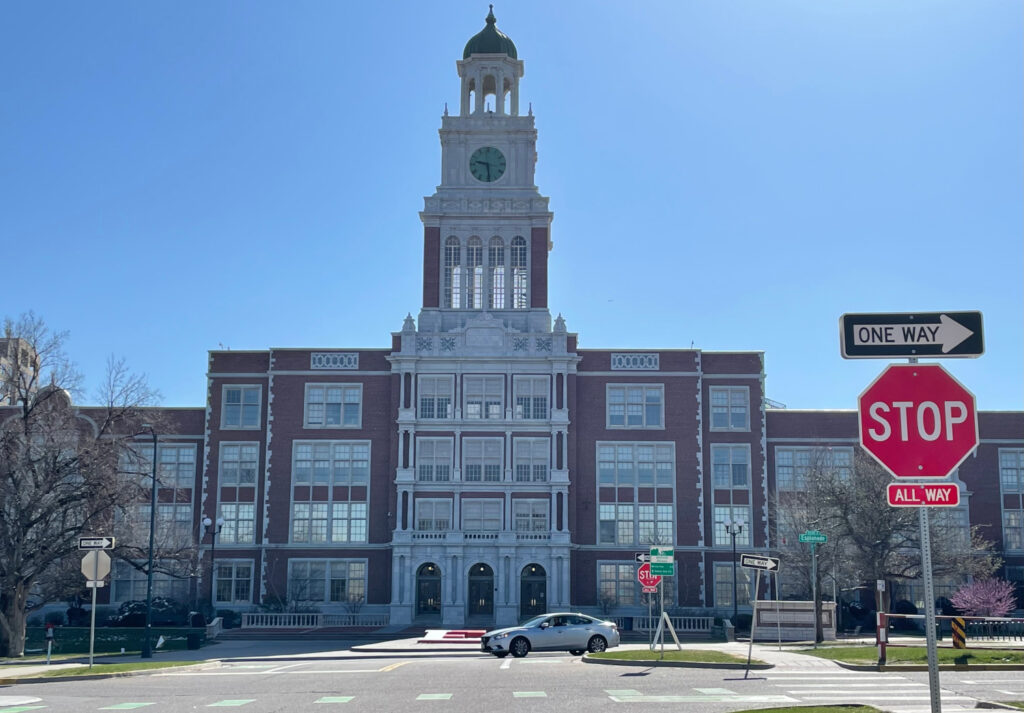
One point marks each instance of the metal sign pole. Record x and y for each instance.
(778, 617)
(929, 611)
(814, 589)
(753, 621)
(92, 612)
(661, 594)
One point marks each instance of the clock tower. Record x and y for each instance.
(487, 228)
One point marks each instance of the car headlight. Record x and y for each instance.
(499, 637)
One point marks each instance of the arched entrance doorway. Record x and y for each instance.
(480, 593)
(533, 591)
(428, 590)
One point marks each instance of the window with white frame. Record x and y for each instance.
(730, 408)
(129, 582)
(452, 273)
(435, 396)
(241, 406)
(530, 515)
(331, 462)
(730, 465)
(644, 464)
(531, 396)
(475, 273)
(176, 467)
(724, 514)
(482, 397)
(433, 514)
(520, 275)
(334, 405)
(616, 583)
(238, 463)
(481, 515)
(1015, 576)
(328, 522)
(173, 523)
(532, 459)
(434, 460)
(233, 582)
(953, 525)
(239, 523)
(635, 406)
(616, 523)
(336, 581)
(1011, 470)
(793, 464)
(496, 266)
(1013, 530)
(481, 460)
(724, 583)
(654, 524)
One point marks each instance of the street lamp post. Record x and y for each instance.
(147, 640)
(734, 527)
(212, 527)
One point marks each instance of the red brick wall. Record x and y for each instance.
(539, 266)
(431, 267)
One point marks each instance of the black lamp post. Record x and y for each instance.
(147, 640)
(734, 528)
(213, 528)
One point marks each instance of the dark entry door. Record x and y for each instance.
(481, 591)
(533, 591)
(428, 590)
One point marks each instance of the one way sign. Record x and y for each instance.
(95, 543)
(911, 334)
(768, 564)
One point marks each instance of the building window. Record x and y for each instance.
(482, 397)
(531, 394)
(1013, 530)
(481, 515)
(433, 515)
(238, 462)
(635, 406)
(239, 523)
(636, 464)
(336, 581)
(233, 582)
(241, 407)
(731, 465)
(129, 582)
(331, 462)
(654, 524)
(520, 278)
(481, 460)
(723, 585)
(615, 524)
(532, 459)
(434, 459)
(475, 273)
(496, 265)
(176, 467)
(530, 515)
(1015, 576)
(730, 408)
(731, 513)
(793, 465)
(334, 405)
(452, 273)
(1011, 470)
(337, 522)
(435, 396)
(616, 584)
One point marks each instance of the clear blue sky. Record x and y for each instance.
(734, 175)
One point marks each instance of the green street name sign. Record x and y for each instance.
(663, 561)
(814, 537)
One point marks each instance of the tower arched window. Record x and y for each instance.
(475, 273)
(496, 269)
(452, 273)
(520, 282)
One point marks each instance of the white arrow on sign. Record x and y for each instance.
(948, 333)
(757, 562)
(95, 543)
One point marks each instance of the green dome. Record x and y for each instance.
(490, 40)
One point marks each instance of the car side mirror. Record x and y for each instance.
(545, 625)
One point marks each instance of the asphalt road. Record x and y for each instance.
(467, 682)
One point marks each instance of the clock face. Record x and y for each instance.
(487, 164)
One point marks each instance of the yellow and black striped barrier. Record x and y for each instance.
(959, 633)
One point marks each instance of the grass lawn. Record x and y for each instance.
(103, 668)
(915, 655)
(687, 655)
(814, 709)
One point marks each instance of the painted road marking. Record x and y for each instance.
(232, 702)
(704, 699)
(529, 694)
(507, 663)
(433, 697)
(622, 692)
(19, 709)
(890, 697)
(393, 666)
(854, 685)
(991, 680)
(335, 699)
(126, 706)
(715, 691)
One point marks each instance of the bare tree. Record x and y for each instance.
(58, 466)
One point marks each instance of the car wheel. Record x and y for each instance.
(501, 654)
(519, 647)
(596, 643)
(577, 652)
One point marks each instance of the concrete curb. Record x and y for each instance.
(675, 664)
(896, 668)
(98, 676)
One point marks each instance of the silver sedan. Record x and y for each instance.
(561, 631)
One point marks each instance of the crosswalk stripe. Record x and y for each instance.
(231, 702)
(433, 697)
(126, 706)
(529, 694)
(335, 699)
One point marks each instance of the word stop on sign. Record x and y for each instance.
(929, 421)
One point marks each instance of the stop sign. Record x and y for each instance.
(645, 577)
(917, 421)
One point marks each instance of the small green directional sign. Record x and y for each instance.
(663, 561)
(814, 537)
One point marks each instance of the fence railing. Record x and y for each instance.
(312, 620)
(982, 630)
(682, 624)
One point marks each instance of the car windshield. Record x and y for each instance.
(535, 621)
